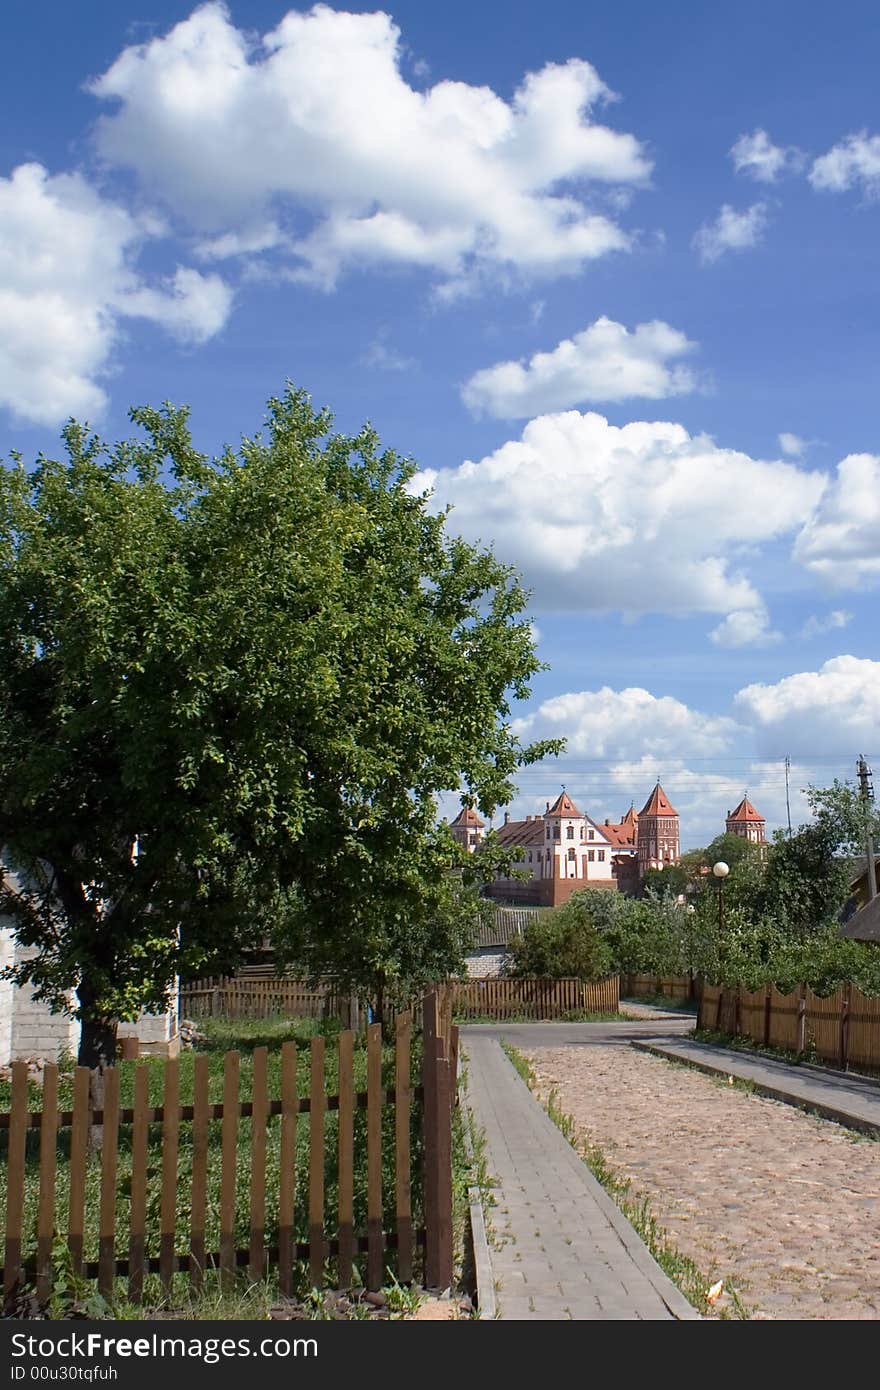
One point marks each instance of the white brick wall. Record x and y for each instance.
(7, 952)
(35, 1031)
(486, 964)
(28, 1029)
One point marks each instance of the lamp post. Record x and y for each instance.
(720, 870)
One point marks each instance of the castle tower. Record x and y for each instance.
(746, 822)
(467, 829)
(658, 838)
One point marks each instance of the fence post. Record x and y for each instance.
(737, 1011)
(844, 1025)
(802, 1019)
(438, 1148)
(768, 1008)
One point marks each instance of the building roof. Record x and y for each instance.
(563, 806)
(865, 924)
(745, 811)
(658, 804)
(623, 834)
(468, 816)
(521, 832)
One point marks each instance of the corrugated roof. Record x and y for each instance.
(865, 924)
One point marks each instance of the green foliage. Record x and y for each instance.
(563, 944)
(781, 908)
(232, 690)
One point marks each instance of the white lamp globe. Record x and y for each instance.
(721, 870)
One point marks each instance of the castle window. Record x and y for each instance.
(583, 831)
(571, 855)
(591, 855)
(592, 835)
(601, 856)
(569, 832)
(530, 856)
(557, 830)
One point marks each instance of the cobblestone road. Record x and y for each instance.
(784, 1205)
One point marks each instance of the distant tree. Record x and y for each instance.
(808, 875)
(231, 692)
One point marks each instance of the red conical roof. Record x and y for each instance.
(468, 816)
(658, 804)
(745, 811)
(563, 806)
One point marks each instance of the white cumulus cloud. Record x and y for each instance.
(635, 519)
(841, 541)
(631, 723)
(756, 156)
(620, 741)
(791, 444)
(817, 627)
(748, 627)
(311, 138)
(731, 231)
(854, 161)
(836, 709)
(604, 362)
(68, 276)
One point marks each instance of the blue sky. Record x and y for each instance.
(607, 272)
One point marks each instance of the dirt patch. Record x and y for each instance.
(784, 1205)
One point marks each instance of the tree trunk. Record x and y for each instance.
(97, 1051)
(97, 1043)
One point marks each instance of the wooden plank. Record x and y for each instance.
(228, 1164)
(287, 1177)
(168, 1201)
(79, 1140)
(199, 1191)
(140, 1135)
(375, 1241)
(48, 1165)
(346, 1159)
(429, 1122)
(316, 1164)
(258, 1165)
(443, 1244)
(15, 1178)
(109, 1163)
(402, 1182)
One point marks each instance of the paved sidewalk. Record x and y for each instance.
(851, 1100)
(562, 1250)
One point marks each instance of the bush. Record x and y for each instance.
(563, 944)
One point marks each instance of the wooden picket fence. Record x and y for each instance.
(256, 998)
(842, 1028)
(642, 986)
(150, 1137)
(531, 998)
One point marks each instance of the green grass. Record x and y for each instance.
(681, 1269)
(221, 1036)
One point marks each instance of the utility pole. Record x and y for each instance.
(787, 800)
(867, 791)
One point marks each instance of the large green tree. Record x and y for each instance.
(231, 692)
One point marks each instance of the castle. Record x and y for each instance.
(565, 850)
